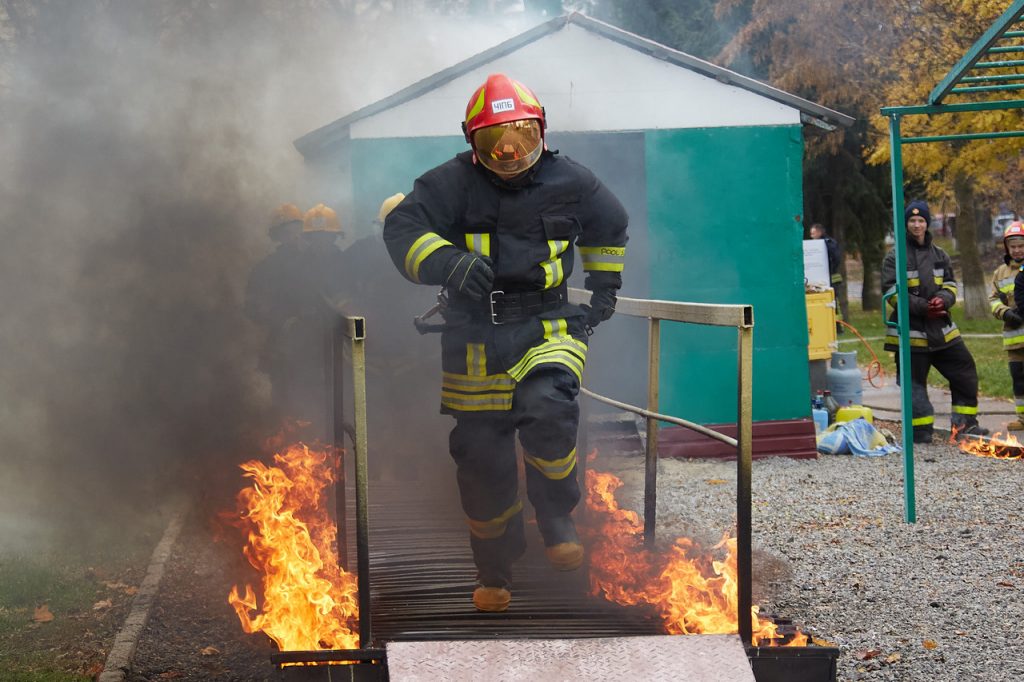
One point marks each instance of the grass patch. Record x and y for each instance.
(87, 587)
(989, 356)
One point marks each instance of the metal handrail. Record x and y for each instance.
(726, 315)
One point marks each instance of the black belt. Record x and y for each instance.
(518, 305)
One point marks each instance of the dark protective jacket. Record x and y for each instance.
(274, 290)
(835, 260)
(1002, 297)
(929, 274)
(528, 229)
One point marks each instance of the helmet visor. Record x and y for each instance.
(510, 148)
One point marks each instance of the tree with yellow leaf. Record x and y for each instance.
(969, 170)
(856, 56)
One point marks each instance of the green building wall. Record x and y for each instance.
(724, 226)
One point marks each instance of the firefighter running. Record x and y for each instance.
(934, 337)
(496, 226)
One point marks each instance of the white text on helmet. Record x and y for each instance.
(500, 105)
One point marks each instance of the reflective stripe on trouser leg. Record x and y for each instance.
(956, 364)
(483, 447)
(547, 415)
(1017, 378)
(922, 412)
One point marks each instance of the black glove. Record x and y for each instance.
(469, 274)
(602, 306)
(1012, 318)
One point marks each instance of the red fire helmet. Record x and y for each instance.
(505, 125)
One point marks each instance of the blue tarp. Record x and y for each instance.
(856, 437)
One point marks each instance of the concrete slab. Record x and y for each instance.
(709, 658)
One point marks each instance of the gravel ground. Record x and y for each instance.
(939, 599)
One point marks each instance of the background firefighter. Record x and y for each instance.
(934, 337)
(273, 295)
(496, 227)
(1004, 302)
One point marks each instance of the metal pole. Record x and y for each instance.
(903, 317)
(651, 458)
(340, 501)
(362, 516)
(744, 457)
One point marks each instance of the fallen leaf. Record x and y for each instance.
(716, 481)
(818, 641)
(1005, 583)
(130, 590)
(931, 643)
(867, 654)
(209, 651)
(102, 604)
(171, 674)
(893, 657)
(42, 614)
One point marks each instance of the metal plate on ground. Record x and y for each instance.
(709, 658)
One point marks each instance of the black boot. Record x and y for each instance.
(561, 543)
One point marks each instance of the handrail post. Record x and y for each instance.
(338, 389)
(651, 455)
(744, 457)
(362, 516)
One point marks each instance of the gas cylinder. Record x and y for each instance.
(843, 379)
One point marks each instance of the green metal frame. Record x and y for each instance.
(986, 46)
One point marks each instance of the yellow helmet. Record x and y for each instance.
(284, 214)
(321, 218)
(389, 205)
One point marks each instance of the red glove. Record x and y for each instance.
(936, 307)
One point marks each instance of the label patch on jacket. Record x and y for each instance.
(500, 105)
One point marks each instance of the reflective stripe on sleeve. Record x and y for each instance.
(479, 243)
(607, 258)
(420, 249)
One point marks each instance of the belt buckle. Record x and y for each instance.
(494, 314)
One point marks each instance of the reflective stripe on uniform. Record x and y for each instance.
(951, 288)
(938, 274)
(420, 249)
(607, 258)
(1019, 405)
(1012, 337)
(553, 273)
(557, 348)
(913, 278)
(553, 469)
(965, 409)
(994, 306)
(951, 332)
(917, 339)
(494, 528)
(837, 278)
(479, 243)
(475, 393)
(923, 421)
(476, 359)
(1005, 285)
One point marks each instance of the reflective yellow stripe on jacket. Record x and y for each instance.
(420, 249)
(608, 258)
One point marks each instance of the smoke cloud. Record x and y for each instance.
(142, 148)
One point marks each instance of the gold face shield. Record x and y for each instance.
(508, 149)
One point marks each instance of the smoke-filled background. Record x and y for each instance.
(142, 148)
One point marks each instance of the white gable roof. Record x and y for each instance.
(590, 76)
(587, 82)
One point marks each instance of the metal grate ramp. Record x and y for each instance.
(422, 578)
(708, 658)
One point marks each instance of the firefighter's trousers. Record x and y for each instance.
(546, 415)
(1016, 358)
(956, 364)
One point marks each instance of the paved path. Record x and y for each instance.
(993, 413)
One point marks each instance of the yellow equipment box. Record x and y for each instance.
(821, 325)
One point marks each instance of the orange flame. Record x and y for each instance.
(996, 446)
(309, 601)
(692, 592)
